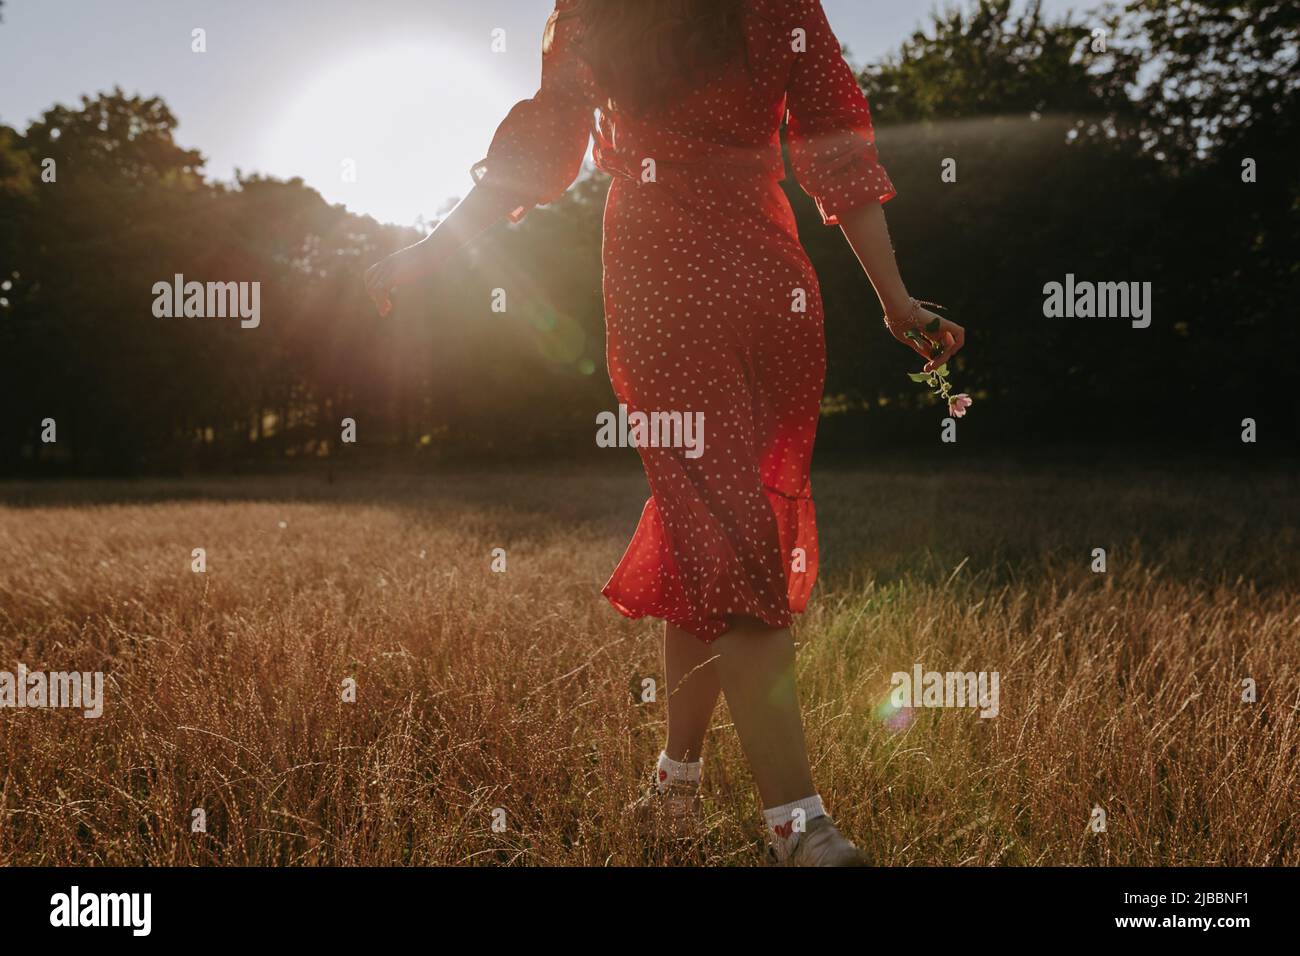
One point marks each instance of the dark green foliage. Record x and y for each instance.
(1115, 165)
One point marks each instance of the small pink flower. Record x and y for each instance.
(958, 404)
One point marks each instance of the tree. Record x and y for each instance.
(992, 61)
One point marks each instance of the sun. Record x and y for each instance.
(390, 132)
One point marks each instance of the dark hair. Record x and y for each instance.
(644, 53)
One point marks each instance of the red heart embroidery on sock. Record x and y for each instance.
(784, 830)
(663, 775)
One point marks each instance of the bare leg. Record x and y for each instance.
(693, 690)
(756, 669)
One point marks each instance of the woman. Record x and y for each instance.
(712, 307)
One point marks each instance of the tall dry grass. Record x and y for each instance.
(520, 691)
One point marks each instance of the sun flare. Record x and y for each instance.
(391, 133)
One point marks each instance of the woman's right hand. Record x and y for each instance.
(935, 344)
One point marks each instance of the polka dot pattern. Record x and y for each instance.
(711, 303)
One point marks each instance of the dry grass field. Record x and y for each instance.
(521, 690)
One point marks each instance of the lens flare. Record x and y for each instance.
(892, 717)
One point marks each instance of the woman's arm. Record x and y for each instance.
(484, 207)
(868, 234)
(534, 158)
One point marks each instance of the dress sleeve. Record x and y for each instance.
(832, 141)
(538, 149)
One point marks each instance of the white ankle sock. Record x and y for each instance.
(785, 823)
(669, 771)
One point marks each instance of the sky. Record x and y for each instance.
(408, 92)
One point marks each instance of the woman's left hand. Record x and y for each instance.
(403, 266)
(381, 279)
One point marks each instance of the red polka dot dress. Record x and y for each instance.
(711, 303)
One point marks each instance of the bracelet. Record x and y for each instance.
(908, 321)
(911, 322)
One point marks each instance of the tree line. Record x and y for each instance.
(1154, 144)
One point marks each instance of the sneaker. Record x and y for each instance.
(676, 810)
(821, 844)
